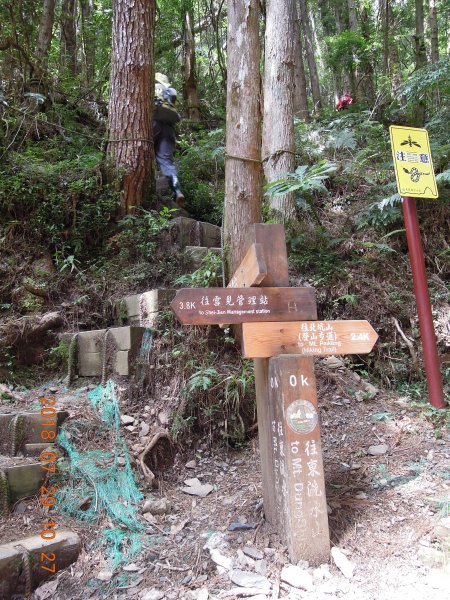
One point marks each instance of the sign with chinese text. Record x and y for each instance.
(309, 338)
(212, 306)
(412, 162)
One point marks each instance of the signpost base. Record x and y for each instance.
(430, 353)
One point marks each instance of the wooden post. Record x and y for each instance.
(273, 243)
(299, 488)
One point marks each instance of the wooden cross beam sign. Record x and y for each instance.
(281, 332)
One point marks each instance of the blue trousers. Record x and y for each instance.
(164, 142)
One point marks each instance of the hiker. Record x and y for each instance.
(165, 117)
(344, 102)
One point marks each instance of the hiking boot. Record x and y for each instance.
(177, 194)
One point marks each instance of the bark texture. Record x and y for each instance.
(45, 32)
(421, 59)
(130, 146)
(301, 93)
(243, 172)
(312, 66)
(68, 44)
(88, 41)
(190, 81)
(434, 32)
(278, 122)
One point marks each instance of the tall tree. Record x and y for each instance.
(243, 172)
(278, 148)
(312, 65)
(301, 91)
(88, 41)
(130, 146)
(433, 31)
(45, 32)
(421, 59)
(68, 41)
(189, 74)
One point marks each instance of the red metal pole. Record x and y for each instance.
(430, 353)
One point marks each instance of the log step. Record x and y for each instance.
(30, 555)
(142, 309)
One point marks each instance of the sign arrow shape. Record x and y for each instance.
(308, 338)
(213, 306)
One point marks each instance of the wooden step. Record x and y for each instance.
(189, 232)
(30, 555)
(143, 309)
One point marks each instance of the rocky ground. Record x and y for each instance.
(388, 489)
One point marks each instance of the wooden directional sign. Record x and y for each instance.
(209, 306)
(252, 269)
(308, 338)
(298, 467)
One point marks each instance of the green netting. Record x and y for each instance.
(98, 486)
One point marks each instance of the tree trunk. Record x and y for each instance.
(68, 44)
(243, 173)
(386, 18)
(301, 92)
(367, 83)
(130, 146)
(190, 81)
(45, 32)
(421, 59)
(88, 41)
(312, 66)
(434, 32)
(278, 122)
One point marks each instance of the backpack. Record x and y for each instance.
(165, 100)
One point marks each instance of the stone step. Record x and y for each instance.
(30, 555)
(195, 254)
(28, 428)
(189, 232)
(142, 309)
(24, 478)
(122, 348)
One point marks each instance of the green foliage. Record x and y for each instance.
(201, 168)
(202, 379)
(209, 273)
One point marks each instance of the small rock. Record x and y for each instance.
(297, 577)
(239, 526)
(156, 506)
(378, 450)
(322, 573)
(53, 389)
(104, 575)
(192, 482)
(126, 419)
(261, 567)
(198, 490)
(152, 594)
(221, 560)
(163, 418)
(431, 557)
(383, 482)
(131, 567)
(20, 508)
(144, 429)
(130, 427)
(371, 390)
(361, 495)
(121, 461)
(191, 464)
(250, 580)
(253, 553)
(341, 561)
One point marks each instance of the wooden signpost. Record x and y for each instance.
(281, 332)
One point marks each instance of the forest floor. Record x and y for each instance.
(387, 513)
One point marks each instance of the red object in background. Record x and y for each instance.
(344, 102)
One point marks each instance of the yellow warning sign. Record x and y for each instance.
(412, 162)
